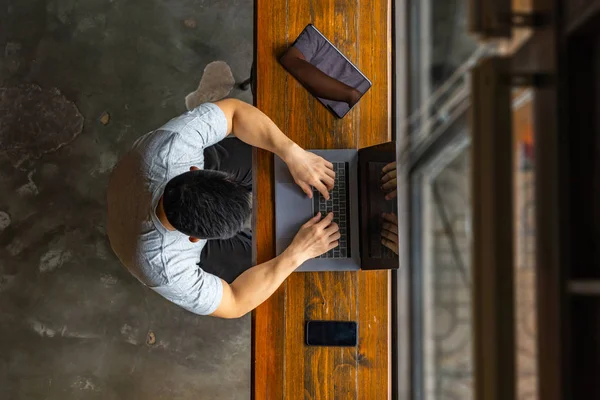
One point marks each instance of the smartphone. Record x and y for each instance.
(331, 333)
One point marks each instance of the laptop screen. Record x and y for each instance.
(378, 207)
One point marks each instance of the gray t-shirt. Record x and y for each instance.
(317, 51)
(163, 260)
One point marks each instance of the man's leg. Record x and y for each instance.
(232, 156)
(229, 258)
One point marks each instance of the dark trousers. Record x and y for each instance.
(228, 258)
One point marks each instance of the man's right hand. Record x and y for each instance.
(315, 237)
(389, 232)
(254, 286)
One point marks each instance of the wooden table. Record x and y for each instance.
(283, 367)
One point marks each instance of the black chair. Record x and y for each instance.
(251, 81)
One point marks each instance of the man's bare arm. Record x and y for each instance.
(254, 286)
(316, 81)
(257, 284)
(253, 127)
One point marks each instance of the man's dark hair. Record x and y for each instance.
(207, 204)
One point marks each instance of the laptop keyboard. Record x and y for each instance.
(338, 203)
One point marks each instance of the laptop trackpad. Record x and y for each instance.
(293, 209)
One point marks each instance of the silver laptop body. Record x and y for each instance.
(293, 208)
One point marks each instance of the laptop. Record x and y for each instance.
(357, 202)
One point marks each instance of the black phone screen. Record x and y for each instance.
(331, 333)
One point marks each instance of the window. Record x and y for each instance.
(441, 52)
(442, 273)
(435, 297)
(524, 238)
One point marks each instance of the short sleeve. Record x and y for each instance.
(195, 290)
(308, 43)
(201, 127)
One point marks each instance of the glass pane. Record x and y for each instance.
(446, 281)
(441, 53)
(525, 276)
(451, 45)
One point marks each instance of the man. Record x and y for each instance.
(164, 206)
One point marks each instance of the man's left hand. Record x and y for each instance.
(308, 169)
(389, 181)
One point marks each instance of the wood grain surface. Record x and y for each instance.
(283, 367)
